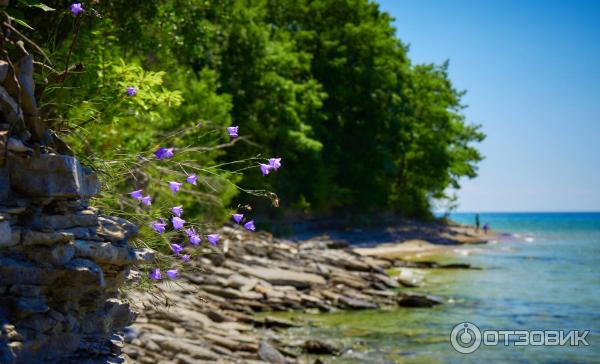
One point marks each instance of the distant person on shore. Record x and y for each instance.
(486, 227)
(477, 222)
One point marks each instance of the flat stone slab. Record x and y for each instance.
(282, 277)
(57, 176)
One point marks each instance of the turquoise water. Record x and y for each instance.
(544, 275)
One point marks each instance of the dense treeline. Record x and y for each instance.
(325, 84)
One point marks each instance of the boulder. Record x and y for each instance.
(52, 176)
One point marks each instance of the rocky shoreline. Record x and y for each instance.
(210, 313)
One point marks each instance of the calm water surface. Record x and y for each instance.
(545, 275)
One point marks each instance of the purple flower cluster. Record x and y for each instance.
(177, 222)
(146, 200)
(274, 164)
(248, 225)
(164, 153)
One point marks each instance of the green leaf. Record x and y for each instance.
(36, 4)
(15, 15)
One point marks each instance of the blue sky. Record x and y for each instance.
(532, 74)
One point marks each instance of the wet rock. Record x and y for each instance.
(357, 303)
(272, 322)
(319, 347)
(415, 300)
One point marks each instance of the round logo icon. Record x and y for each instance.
(465, 338)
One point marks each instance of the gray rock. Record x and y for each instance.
(103, 252)
(4, 181)
(31, 305)
(232, 293)
(4, 66)
(46, 238)
(61, 254)
(283, 277)
(6, 239)
(115, 229)
(16, 146)
(69, 220)
(193, 350)
(356, 303)
(53, 176)
(145, 255)
(13, 114)
(20, 272)
(38, 322)
(26, 290)
(269, 354)
(84, 271)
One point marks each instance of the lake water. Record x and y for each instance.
(545, 275)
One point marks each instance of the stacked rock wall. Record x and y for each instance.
(61, 264)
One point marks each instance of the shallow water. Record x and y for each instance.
(545, 275)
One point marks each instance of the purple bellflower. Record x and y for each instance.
(233, 131)
(265, 168)
(131, 91)
(146, 200)
(250, 225)
(76, 8)
(177, 223)
(136, 194)
(175, 186)
(177, 211)
(275, 163)
(176, 248)
(172, 273)
(213, 239)
(164, 153)
(155, 274)
(191, 179)
(237, 217)
(159, 227)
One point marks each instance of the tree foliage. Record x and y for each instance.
(325, 84)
